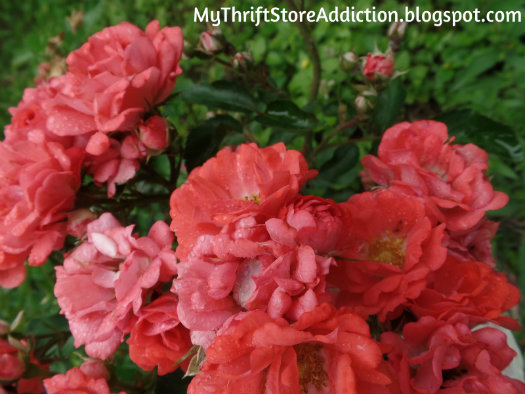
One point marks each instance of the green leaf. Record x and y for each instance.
(389, 105)
(286, 115)
(469, 126)
(204, 141)
(221, 94)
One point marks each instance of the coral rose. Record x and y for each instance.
(115, 78)
(88, 379)
(158, 338)
(418, 158)
(436, 356)
(326, 351)
(248, 266)
(11, 365)
(470, 287)
(104, 281)
(38, 183)
(247, 180)
(391, 249)
(312, 221)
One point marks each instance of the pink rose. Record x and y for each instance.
(419, 158)
(90, 378)
(11, 365)
(104, 281)
(436, 356)
(116, 77)
(38, 183)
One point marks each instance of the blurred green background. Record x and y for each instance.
(472, 76)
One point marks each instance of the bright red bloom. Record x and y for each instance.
(158, 338)
(391, 249)
(114, 270)
(38, 184)
(247, 180)
(378, 65)
(88, 379)
(418, 158)
(470, 287)
(436, 356)
(326, 351)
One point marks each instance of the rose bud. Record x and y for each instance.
(378, 66)
(396, 31)
(154, 132)
(211, 41)
(348, 61)
(242, 61)
(362, 104)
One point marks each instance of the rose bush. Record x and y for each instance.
(260, 282)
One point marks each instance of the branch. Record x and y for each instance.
(311, 47)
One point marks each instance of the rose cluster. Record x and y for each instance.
(97, 119)
(268, 290)
(291, 293)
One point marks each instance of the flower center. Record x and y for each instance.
(256, 198)
(388, 248)
(310, 363)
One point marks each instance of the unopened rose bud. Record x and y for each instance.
(378, 66)
(242, 60)
(396, 31)
(348, 61)
(211, 41)
(362, 104)
(154, 132)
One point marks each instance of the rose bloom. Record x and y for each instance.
(436, 356)
(418, 158)
(158, 338)
(104, 281)
(29, 119)
(474, 244)
(11, 365)
(391, 249)
(242, 181)
(38, 184)
(90, 378)
(325, 351)
(470, 287)
(248, 266)
(378, 66)
(115, 78)
(309, 220)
